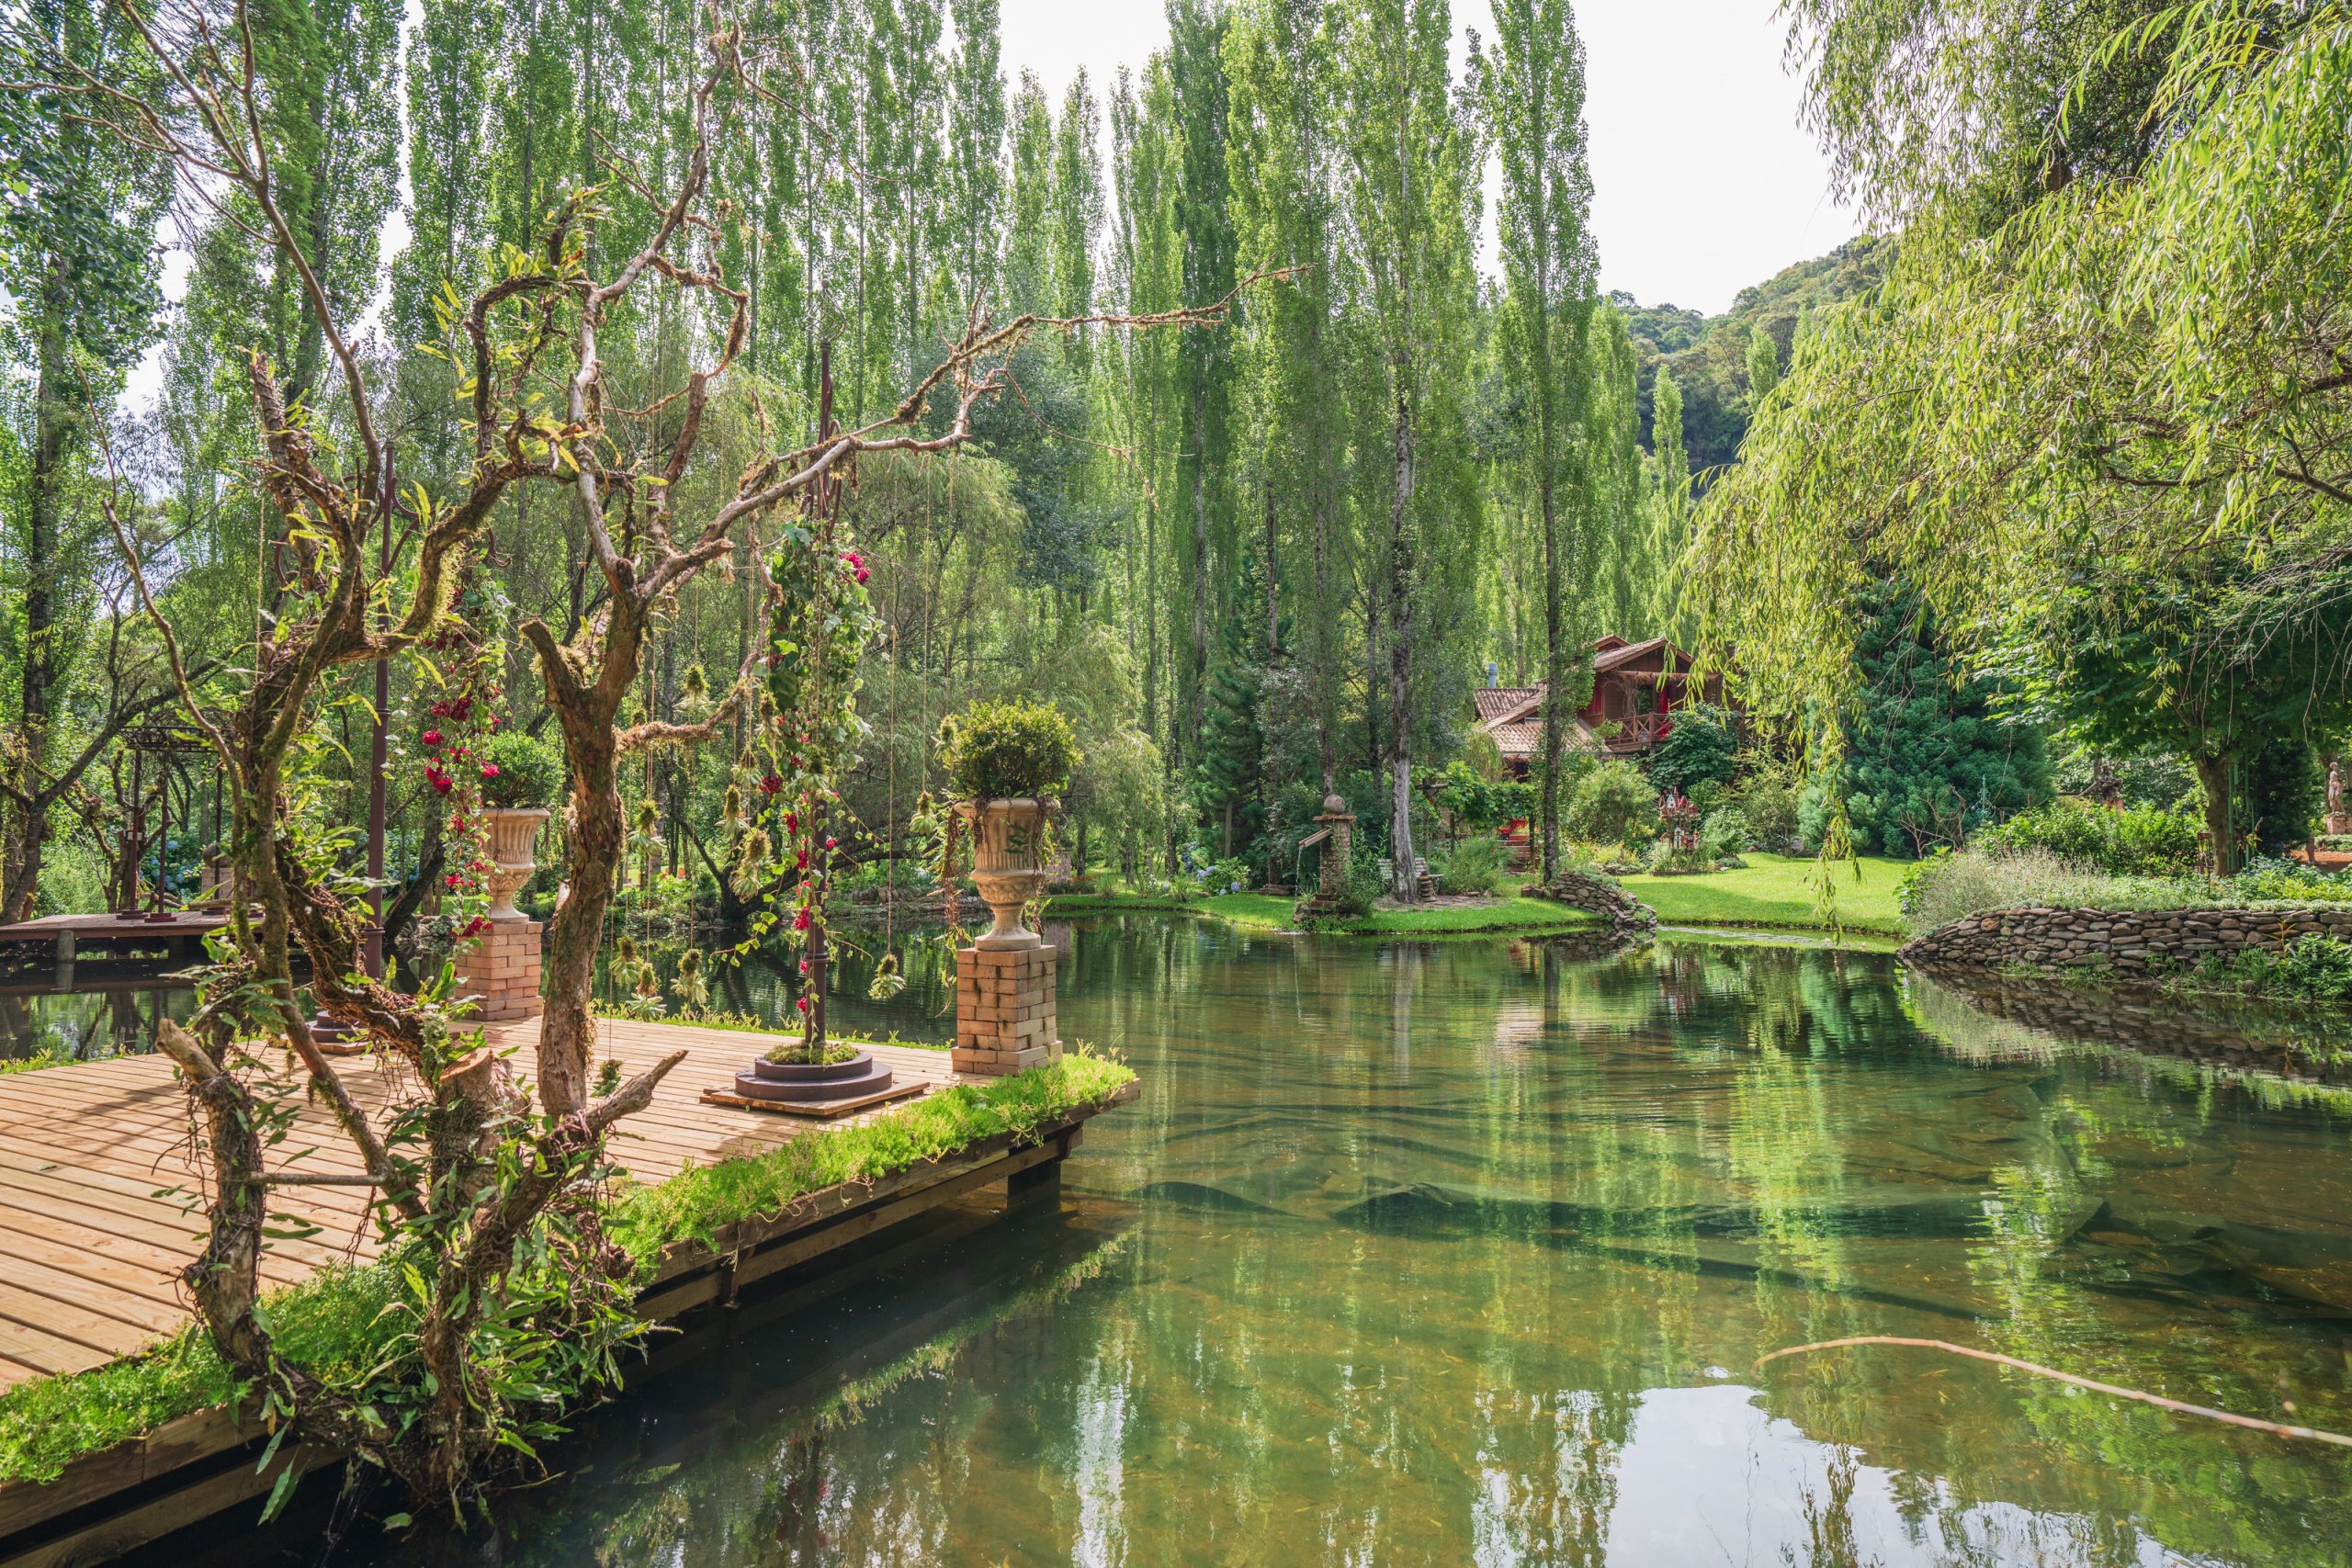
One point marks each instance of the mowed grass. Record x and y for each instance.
(1261, 912)
(1779, 890)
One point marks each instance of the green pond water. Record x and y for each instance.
(1464, 1253)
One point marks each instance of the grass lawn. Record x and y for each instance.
(1264, 913)
(1777, 891)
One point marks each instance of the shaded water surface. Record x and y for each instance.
(1465, 1254)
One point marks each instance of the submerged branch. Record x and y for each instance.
(2178, 1406)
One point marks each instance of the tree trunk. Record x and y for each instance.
(2214, 775)
(29, 835)
(1400, 660)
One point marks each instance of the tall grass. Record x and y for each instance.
(1949, 887)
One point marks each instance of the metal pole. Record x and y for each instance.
(373, 953)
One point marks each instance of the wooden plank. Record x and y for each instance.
(691, 1274)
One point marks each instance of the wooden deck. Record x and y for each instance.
(91, 1245)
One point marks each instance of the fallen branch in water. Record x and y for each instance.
(2181, 1407)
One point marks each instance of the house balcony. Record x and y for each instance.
(1639, 732)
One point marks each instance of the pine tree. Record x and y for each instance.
(1928, 757)
(1228, 774)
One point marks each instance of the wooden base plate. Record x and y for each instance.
(822, 1110)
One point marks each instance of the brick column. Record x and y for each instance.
(1004, 1009)
(502, 972)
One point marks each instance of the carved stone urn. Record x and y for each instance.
(1008, 865)
(513, 831)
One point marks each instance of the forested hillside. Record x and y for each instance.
(1709, 356)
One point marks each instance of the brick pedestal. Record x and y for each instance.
(1004, 1009)
(502, 972)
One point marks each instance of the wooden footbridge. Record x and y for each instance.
(98, 1168)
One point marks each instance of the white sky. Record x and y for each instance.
(1704, 183)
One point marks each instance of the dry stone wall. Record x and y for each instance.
(2128, 942)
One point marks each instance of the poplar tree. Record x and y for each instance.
(1028, 241)
(1669, 506)
(1203, 360)
(1534, 98)
(975, 174)
(1412, 195)
(76, 213)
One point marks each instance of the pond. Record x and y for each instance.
(1466, 1252)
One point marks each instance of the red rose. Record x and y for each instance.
(801, 918)
(489, 770)
(433, 738)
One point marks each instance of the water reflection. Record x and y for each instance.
(108, 1015)
(1464, 1252)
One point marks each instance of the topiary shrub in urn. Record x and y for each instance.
(520, 776)
(1005, 763)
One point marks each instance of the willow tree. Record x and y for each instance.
(2141, 378)
(1534, 101)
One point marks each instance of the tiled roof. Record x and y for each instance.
(1521, 739)
(1493, 702)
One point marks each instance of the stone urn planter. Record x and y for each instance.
(1008, 865)
(512, 831)
(802, 1083)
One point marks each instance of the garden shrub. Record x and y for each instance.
(2266, 880)
(1610, 804)
(1699, 751)
(1007, 750)
(529, 770)
(2136, 840)
(2314, 968)
(1727, 830)
(1767, 797)
(1472, 867)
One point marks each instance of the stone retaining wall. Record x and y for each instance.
(2129, 942)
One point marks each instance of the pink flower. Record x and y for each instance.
(489, 770)
(863, 574)
(831, 844)
(802, 1004)
(801, 918)
(804, 966)
(853, 558)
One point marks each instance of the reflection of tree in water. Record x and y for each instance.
(1551, 1462)
(1829, 1520)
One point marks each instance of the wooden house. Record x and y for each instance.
(1636, 687)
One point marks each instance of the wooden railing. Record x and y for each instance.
(1639, 731)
